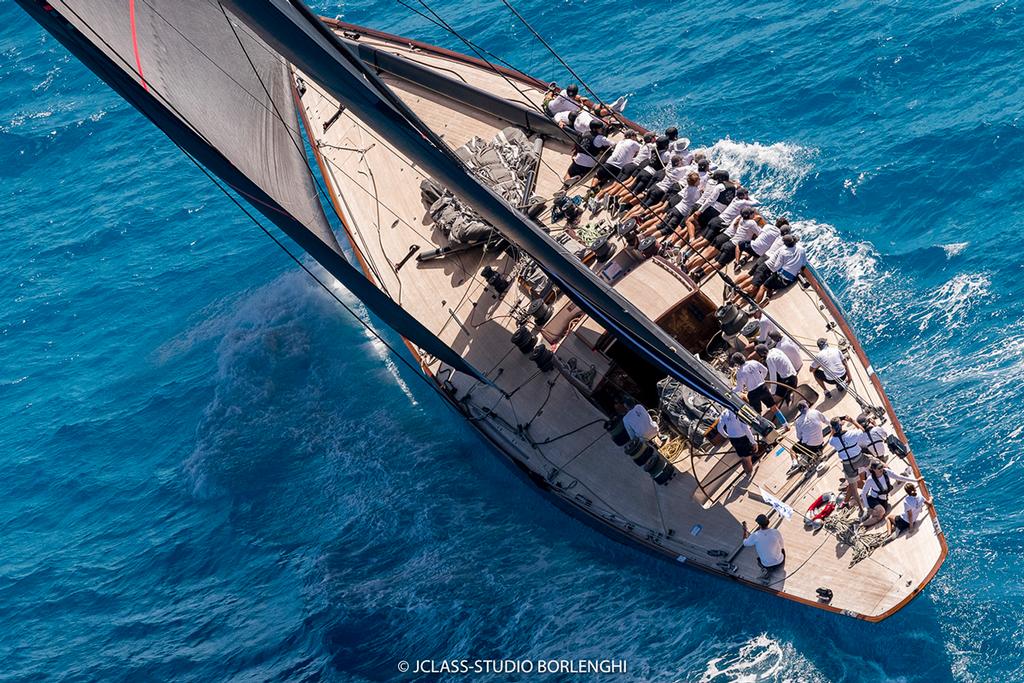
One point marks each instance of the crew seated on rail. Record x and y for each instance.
(622, 154)
(783, 262)
(725, 248)
(641, 158)
(568, 100)
(669, 181)
(750, 281)
(650, 167)
(669, 224)
(588, 149)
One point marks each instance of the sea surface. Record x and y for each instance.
(208, 472)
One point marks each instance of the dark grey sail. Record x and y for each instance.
(225, 99)
(295, 32)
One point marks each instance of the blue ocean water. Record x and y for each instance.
(210, 473)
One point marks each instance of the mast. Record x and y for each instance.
(297, 34)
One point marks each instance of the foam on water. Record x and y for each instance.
(761, 659)
(209, 474)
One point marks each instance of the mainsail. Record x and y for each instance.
(295, 32)
(225, 99)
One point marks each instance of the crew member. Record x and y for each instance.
(771, 552)
(847, 445)
(829, 367)
(739, 435)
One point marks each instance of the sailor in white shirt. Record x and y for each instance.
(873, 443)
(724, 247)
(879, 484)
(637, 421)
(810, 436)
(913, 510)
(622, 190)
(740, 436)
(588, 149)
(624, 152)
(784, 266)
(759, 246)
(583, 120)
(750, 377)
(780, 371)
(810, 427)
(740, 202)
(675, 174)
(752, 282)
(782, 342)
(758, 330)
(771, 553)
(565, 101)
(829, 367)
(847, 446)
(666, 222)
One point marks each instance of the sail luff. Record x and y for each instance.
(293, 31)
(145, 98)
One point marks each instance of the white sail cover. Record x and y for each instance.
(186, 54)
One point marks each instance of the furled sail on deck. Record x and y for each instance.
(298, 34)
(224, 97)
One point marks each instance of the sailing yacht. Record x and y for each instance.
(446, 176)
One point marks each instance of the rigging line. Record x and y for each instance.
(298, 148)
(435, 22)
(418, 371)
(212, 61)
(568, 68)
(743, 295)
(369, 328)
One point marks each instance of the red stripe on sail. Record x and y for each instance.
(135, 43)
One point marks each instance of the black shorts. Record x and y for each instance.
(774, 566)
(873, 501)
(653, 196)
(727, 253)
(760, 398)
(900, 523)
(643, 181)
(823, 376)
(760, 274)
(628, 170)
(745, 248)
(742, 446)
(577, 170)
(670, 222)
(709, 219)
(720, 241)
(707, 215)
(777, 281)
(785, 387)
(606, 172)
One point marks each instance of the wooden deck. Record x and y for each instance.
(376, 191)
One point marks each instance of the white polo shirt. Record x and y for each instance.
(830, 359)
(792, 351)
(624, 152)
(778, 365)
(562, 102)
(750, 376)
(768, 544)
(810, 428)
